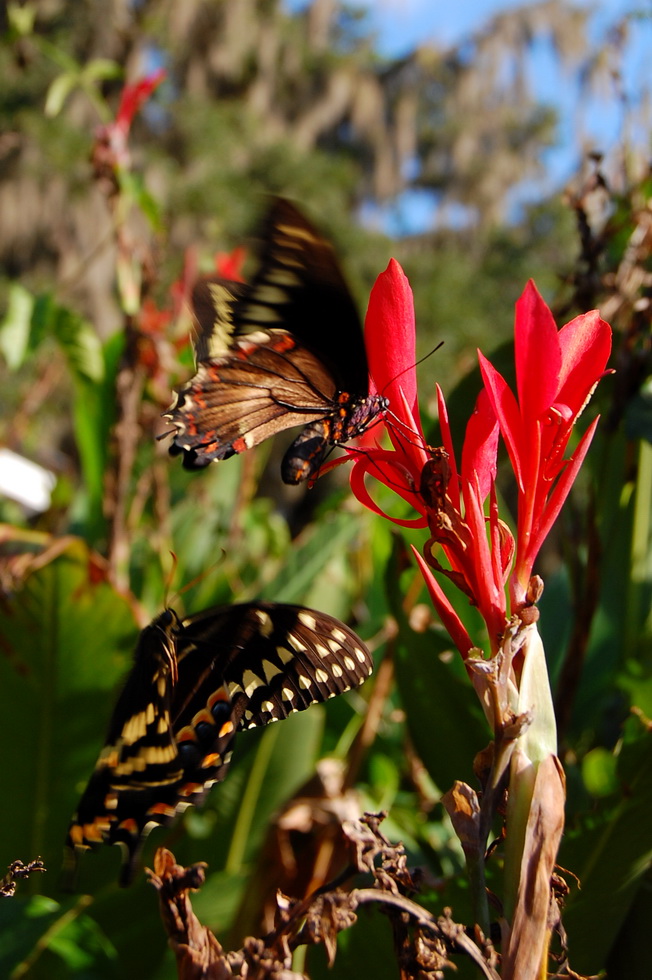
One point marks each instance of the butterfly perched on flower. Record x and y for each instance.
(194, 683)
(285, 350)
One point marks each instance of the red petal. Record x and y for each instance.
(480, 448)
(390, 337)
(562, 488)
(444, 425)
(360, 468)
(447, 614)
(537, 354)
(133, 97)
(507, 412)
(585, 345)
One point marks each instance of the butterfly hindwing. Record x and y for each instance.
(193, 684)
(148, 769)
(286, 350)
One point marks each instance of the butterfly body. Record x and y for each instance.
(194, 683)
(287, 350)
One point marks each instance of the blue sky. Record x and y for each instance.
(402, 25)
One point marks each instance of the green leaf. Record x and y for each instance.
(58, 92)
(599, 772)
(66, 638)
(442, 712)
(80, 345)
(302, 567)
(133, 186)
(610, 855)
(285, 758)
(16, 326)
(94, 411)
(100, 69)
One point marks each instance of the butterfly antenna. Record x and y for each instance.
(198, 578)
(411, 367)
(169, 578)
(398, 424)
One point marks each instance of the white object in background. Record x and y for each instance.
(28, 483)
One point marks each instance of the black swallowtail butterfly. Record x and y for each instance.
(194, 683)
(286, 350)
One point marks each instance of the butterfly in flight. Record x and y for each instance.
(194, 683)
(285, 350)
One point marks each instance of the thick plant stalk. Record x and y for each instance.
(535, 822)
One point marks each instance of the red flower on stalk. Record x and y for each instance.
(556, 372)
(110, 150)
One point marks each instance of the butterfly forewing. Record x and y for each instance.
(286, 350)
(276, 659)
(299, 286)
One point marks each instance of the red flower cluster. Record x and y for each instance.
(556, 372)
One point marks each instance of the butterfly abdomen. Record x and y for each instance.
(309, 449)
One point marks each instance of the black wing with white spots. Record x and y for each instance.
(193, 684)
(274, 659)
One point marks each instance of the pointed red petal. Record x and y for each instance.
(480, 448)
(537, 354)
(390, 337)
(447, 614)
(507, 412)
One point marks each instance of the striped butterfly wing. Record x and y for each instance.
(147, 770)
(285, 351)
(194, 682)
(273, 659)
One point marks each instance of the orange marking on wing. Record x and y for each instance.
(164, 809)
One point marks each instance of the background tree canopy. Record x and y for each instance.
(259, 100)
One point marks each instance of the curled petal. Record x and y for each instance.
(380, 470)
(585, 345)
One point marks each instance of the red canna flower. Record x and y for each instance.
(110, 150)
(228, 265)
(556, 372)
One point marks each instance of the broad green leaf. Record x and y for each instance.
(442, 713)
(80, 345)
(66, 638)
(306, 562)
(94, 415)
(42, 940)
(610, 854)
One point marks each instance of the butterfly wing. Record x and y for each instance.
(145, 773)
(299, 287)
(275, 659)
(192, 685)
(285, 351)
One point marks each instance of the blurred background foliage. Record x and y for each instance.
(260, 100)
